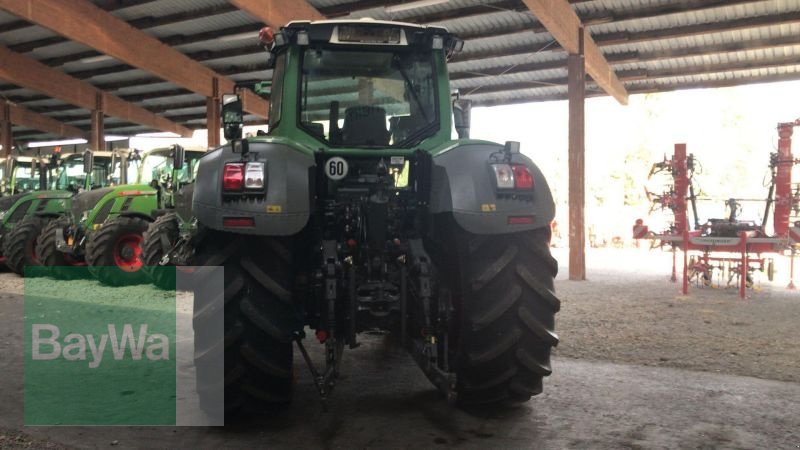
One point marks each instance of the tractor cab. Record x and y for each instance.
(75, 174)
(365, 84)
(22, 174)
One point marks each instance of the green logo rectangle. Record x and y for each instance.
(97, 355)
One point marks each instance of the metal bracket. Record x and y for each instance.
(327, 381)
(426, 350)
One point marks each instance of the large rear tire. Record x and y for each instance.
(505, 306)
(20, 244)
(259, 323)
(114, 252)
(60, 265)
(165, 230)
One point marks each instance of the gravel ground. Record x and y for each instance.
(16, 440)
(628, 311)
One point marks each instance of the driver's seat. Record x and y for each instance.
(365, 125)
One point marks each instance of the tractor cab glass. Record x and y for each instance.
(100, 171)
(276, 91)
(132, 161)
(157, 165)
(25, 177)
(189, 171)
(69, 175)
(368, 98)
(115, 177)
(4, 172)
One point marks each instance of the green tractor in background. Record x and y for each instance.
(359, 211)
(104, 227)
(59, 179)
(168, 240)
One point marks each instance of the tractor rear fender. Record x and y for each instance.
(102, 205)
(464, 184)
(282, 209)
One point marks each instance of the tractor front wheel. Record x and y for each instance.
(160, 236)
(20, 244)
(114, 252)
(60, 265)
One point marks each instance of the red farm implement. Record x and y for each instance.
(736, 248)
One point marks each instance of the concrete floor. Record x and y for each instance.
(384, 401)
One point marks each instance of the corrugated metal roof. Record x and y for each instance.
(6, 18)
(508, 57)
(215, 22)
(164, 7)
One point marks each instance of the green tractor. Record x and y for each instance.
(58, 179)
(359, 212)
(168, 241)
(104, 227)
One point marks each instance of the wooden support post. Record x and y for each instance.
(97, 140)
(213, 117)
(6, 139)
(577, 229)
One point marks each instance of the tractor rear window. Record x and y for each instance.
(26, 178)
(358, 98)
(70, 175)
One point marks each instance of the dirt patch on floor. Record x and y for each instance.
(14, 440)
(628, 311)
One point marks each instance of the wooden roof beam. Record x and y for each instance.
(141, 23)
(641, 74)
(636, 56)
(607, 39)
(562, 22)
(108, 5)
(81, 21)
(459, 74)
(204, 55)
(343, 9)
(647, 89)
(31, 74)
(29, 119)
(277, 13)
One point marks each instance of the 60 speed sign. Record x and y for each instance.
(336, 168)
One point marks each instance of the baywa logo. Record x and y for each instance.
(47, 344)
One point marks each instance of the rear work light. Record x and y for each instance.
(238, 176)
(254, 175)
(512, 177)
(233, 177)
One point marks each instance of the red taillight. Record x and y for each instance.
(522, 177)
(233, 177)
(239, 222)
